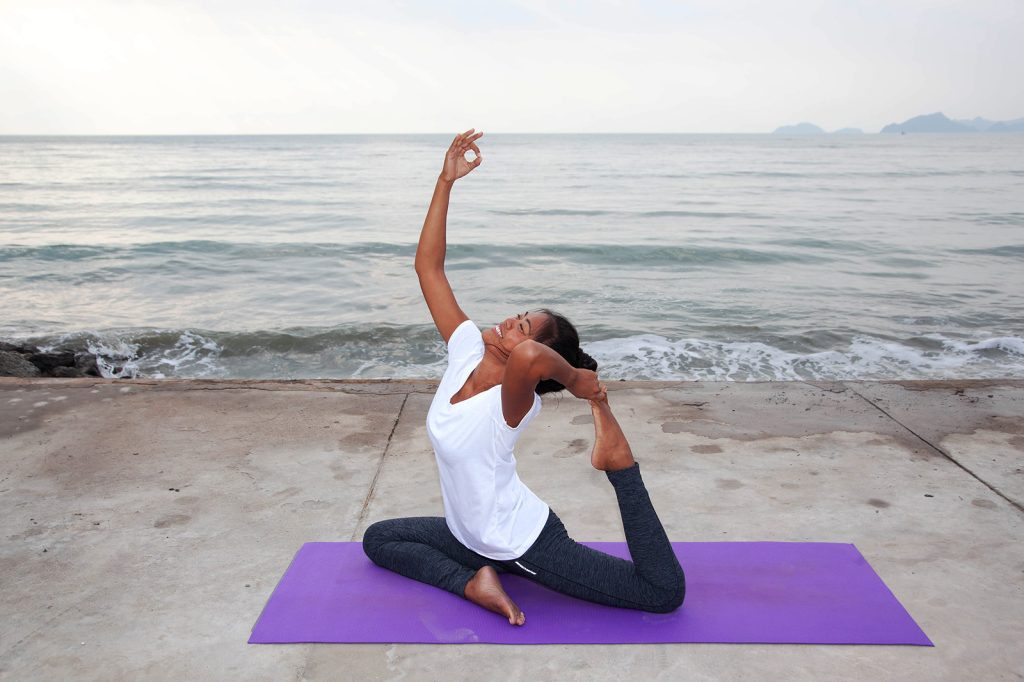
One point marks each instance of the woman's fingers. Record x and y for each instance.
(456, 163)
(466, 144)
(461, 138)
(586, 386)
(464, 138)
(467, 140)
(462, 149)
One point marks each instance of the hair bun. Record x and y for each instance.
(584, 361)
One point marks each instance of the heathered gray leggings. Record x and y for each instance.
(424, 549)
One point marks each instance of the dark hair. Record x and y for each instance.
(561, 336)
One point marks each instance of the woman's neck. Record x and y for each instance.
(488, 374)
(491, 370)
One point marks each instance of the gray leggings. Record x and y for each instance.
(424, 549)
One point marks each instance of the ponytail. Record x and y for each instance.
(561, 336)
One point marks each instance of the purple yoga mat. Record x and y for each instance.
(752, 592)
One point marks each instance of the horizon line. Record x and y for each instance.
(289, 134)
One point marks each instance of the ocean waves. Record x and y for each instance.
(459, 255)
(415, 351)
(149, 268)
(738, 258)
(725, 251)
(858, 358)
(339, 352)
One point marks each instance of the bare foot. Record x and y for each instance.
(484, 589)
(611, 451)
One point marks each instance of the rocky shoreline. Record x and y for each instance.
(22, 360)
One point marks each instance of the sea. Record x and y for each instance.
(678, 257)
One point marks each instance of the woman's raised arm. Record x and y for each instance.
(437, 292)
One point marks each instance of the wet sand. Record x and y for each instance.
(145, 523)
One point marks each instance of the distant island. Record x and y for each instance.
(940, 123)
(799, 129)
(927, 123)
(811, 129)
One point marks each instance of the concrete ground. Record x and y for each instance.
(143, 525)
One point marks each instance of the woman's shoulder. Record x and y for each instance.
(465, 347)
(466, 335)
(498, 412)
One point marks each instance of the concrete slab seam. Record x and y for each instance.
(47, 625)
(380, 466)
(942, 452)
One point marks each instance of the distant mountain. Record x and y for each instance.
(929, 123)
(811, 129)
(1014, 126)
(984, 125)
(799, 129)
(978, 123)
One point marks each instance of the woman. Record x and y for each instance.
(493, 523)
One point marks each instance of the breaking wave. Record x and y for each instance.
(417, 352)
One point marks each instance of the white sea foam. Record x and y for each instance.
(642, 357)
(1009, 344)
(119, 357)
(658, 358)
(193, 354)
(381, 369)
(116, 357)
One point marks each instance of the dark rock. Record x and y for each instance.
(60, 363)
(22, 348)
(67, 372)
(86, 363)
(47, 362)
(14, 365)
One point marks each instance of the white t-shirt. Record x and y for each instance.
(486, 506)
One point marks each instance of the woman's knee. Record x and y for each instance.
(382, 533)
(669, 599)
(374, 537)
(667, 604)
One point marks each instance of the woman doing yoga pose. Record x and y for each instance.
(493, 523)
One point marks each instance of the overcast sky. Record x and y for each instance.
(317, 66)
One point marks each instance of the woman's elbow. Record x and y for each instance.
(527, 357)
(425, 265)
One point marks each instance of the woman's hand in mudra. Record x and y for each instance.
(584, 385)
(455, 163)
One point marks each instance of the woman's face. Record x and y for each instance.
(514, 330)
